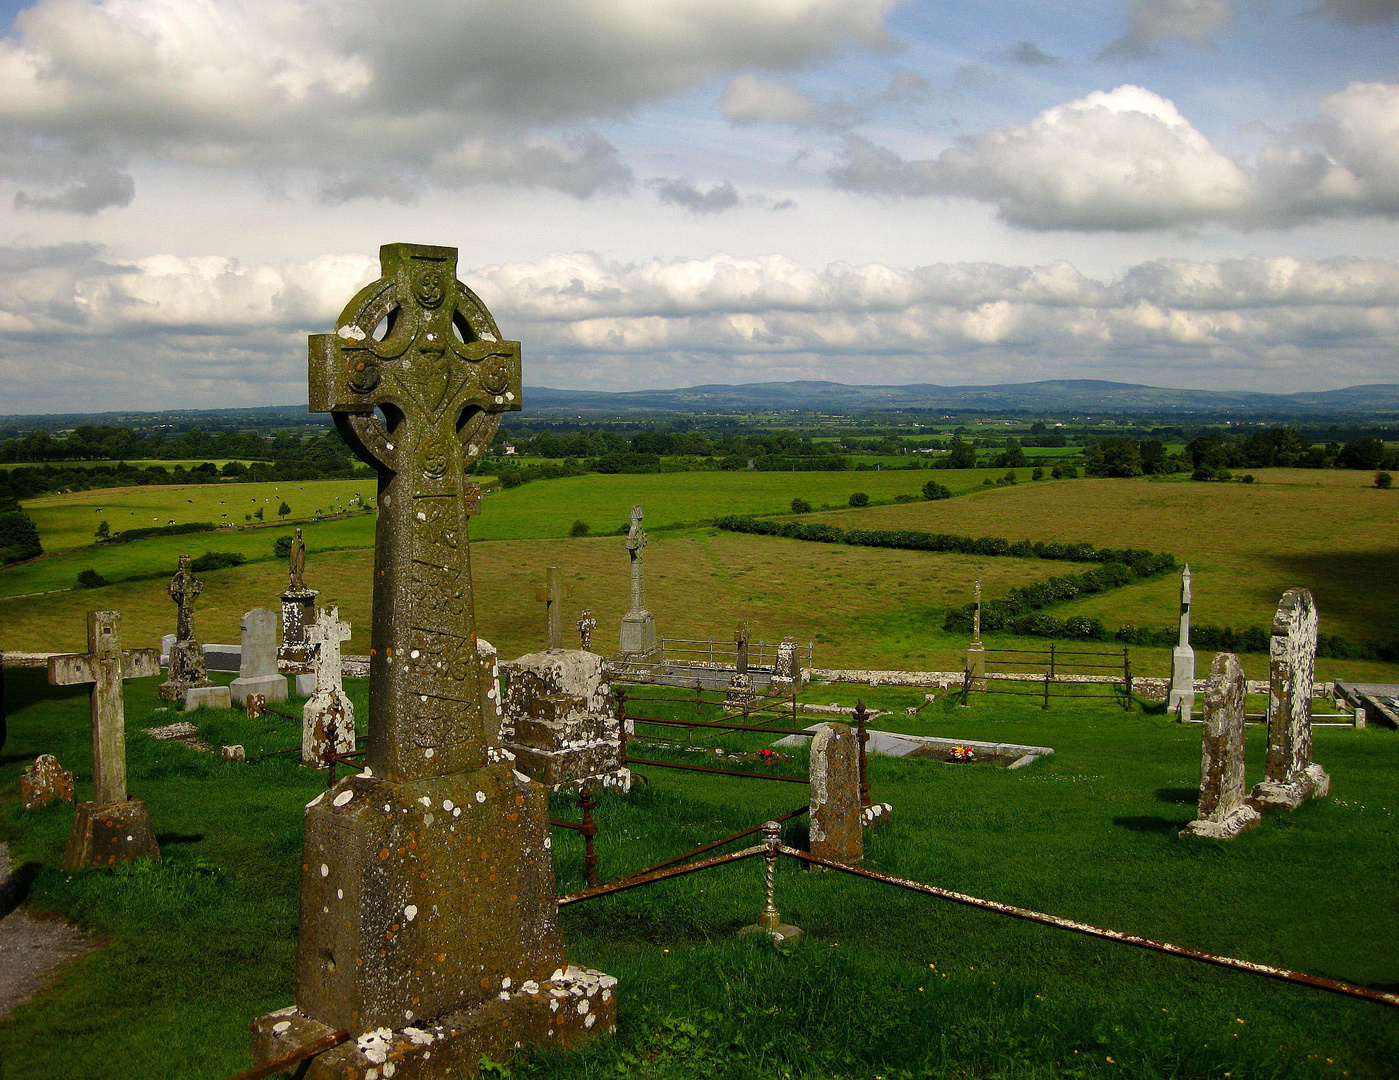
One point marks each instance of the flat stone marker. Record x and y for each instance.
(638, 625)
(1181, 700)
(1291, 777)
(1223, 812)
(328, 717)
(111, 828)
(45, 782)
(257, 668)
(836, 829)
(186, 662)
(429, 919)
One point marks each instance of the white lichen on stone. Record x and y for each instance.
(344, 797)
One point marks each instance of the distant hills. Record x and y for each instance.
(1054, 396)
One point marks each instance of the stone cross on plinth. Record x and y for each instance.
(741, 694)
(976, 651)
(1182, 696)
(298, 611)
(328, 717)
(111, 828)
(1290, 775)
(429, 916)
(1223, 813)
(552, 597)
(638, 625)
(187, 670)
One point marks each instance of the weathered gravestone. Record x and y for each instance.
(561, 722)
(976, 651)
(786, 676)
(586, 625)
(1181, 700)
(1291, 777)
(837, 832)
(257, 665)
(298, 612)
(328, 717)
(186, 671)
(429, 920)
(741, 694)
(45, 782)
(552, 597)
(1223, 812)
(638, 625)
(111, 828)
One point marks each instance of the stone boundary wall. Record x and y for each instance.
(948, 680)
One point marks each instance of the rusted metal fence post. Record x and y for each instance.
(1046, 691)
(589, 830)
(966, 685)
(1051, 659)
(332, 745)
(1127, 676)
(863, 735)
(770, 920)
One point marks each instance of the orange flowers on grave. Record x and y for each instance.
(962, 753)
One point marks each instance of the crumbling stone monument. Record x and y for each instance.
(1290, 775)
(976, 651)
(786, 676)
(741, 694)
(837, 832)
(638, 625)
(429, 920)
(298, 612)
(111, 828)
(186, 670)
(561, 722)
(1223, 812)
(43, 782)
(257, 664)
(1182, 695)
(328, 717)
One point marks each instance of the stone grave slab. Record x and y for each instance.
(1290, 775)
(1223, 809)
(257, 669)
(834, 815)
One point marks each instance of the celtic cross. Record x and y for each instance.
(184, 590)
(416, 376)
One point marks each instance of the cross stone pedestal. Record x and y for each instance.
(976, 666)
(1182, 695)
(295, 653)
(638, 639)
(111, 834)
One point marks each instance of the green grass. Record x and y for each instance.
(885, 984)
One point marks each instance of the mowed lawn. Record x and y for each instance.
(1329, 531)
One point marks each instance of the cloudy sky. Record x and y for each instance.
(657, 193)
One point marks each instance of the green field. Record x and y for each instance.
(886, 984)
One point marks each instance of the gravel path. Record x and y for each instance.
(32, 949)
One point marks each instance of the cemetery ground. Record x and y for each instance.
(885, 983)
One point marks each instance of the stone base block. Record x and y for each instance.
(638, 635)
(305, 684)
(1314, 783)
(207, 697)
(1226, 827)
(111, 834)
(741, 694)
(185, 672)
(574, 1005)
(597, 764)
(271, 687)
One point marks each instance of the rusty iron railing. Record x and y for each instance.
(1049, 677)
(587, 828)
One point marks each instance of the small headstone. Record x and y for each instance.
(1223, 812)
(1290, 775)
(305, 683)
(741, 695)
(186, 666)
(257, 668)
(638, 626)
(328, 717)
(111, 828)
(207, 697)
(561, 723)
(834, 814)
(167, 642)
(1181, 700)
(298, 612)
(233, 753)
(45, 782)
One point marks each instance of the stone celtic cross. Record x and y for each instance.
(105, 665)
(552, 597)
(184, 590)
(636, 548)
(416, 376)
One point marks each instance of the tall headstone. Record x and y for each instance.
(561, 721)
(1182, 695)
(1290, 775)
(257, 664)
(638, 626)
(785, 674)
(328, 717)
(834, 816)
(186, 671)
(741, 694)
(976, 651)
(1223, 812)
(552, 597)
(429, 919)
(298, 612)
(111, 828)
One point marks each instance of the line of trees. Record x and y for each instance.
(1211, 455)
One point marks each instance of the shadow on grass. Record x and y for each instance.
(1147, 823)
(1180, 795)
(166, 838)
(15, 888)
(11, 759)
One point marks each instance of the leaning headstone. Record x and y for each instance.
(741, 696)
(834, 815)
(976, 651)
(111, 828)
(561, 722)
(328, 717)
(45, 782)
(1182, 695)
(298, 612)
(1290, 775)
(257, 669)
(429, 918)
(638, 625)
(186, 667)
(1223, 812)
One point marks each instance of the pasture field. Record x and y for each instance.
(200, 943)
(140, 463)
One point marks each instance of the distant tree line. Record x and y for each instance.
(1212, 455)
(19, 537)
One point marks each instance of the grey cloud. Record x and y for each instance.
(1360, 12)
(1150, 22)
(683, 192)
(1028, 54)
